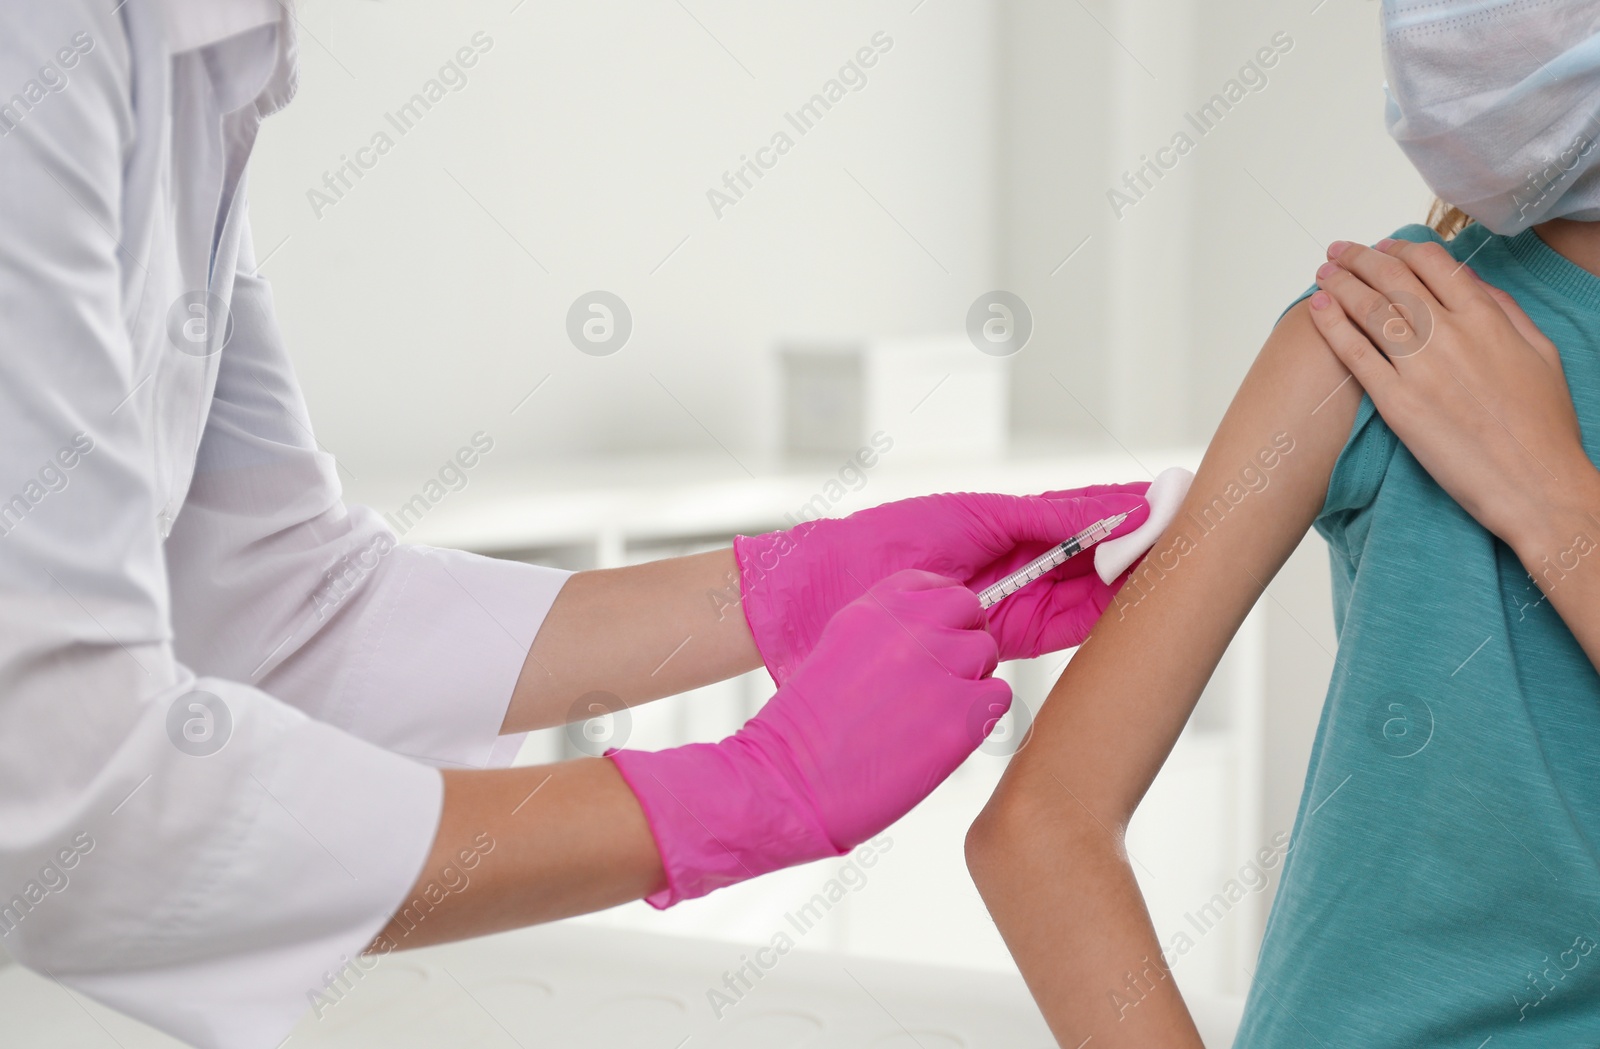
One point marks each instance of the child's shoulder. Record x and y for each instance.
(1419, 233)
(1462, 245)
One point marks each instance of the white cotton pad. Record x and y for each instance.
(1112, 557)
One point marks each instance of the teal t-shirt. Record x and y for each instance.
(1442, 886)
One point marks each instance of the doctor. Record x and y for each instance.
(222, 777)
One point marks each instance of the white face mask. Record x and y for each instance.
(1497, 103)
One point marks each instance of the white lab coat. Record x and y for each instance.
(177, 568)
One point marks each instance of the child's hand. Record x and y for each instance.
(1464, 378)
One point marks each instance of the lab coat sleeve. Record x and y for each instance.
(277, 582)
(185, 848)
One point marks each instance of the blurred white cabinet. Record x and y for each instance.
(934, 394)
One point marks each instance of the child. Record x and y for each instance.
(1442, 884)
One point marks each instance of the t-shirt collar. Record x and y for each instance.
(1555, 269)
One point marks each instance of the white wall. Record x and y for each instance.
(1153, 323)
(991, 132)
(591, 133)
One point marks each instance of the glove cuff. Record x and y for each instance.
(776, 618)
(720, 814)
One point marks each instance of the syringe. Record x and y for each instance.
(991, 595)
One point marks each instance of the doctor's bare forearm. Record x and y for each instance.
(522, 846)
(638, 633)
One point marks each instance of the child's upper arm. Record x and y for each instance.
(1118, 708)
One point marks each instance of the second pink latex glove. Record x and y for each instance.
(793, 581)
(895, 696)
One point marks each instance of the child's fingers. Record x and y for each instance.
(1350, 344)
(1381, 271)
(1524, 325)
(1448, 280)
(1398, 322)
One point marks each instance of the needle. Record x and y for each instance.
(992, 594)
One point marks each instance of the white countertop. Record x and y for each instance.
(579, 987)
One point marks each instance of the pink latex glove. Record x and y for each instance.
(793, 581)
(895, 696)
